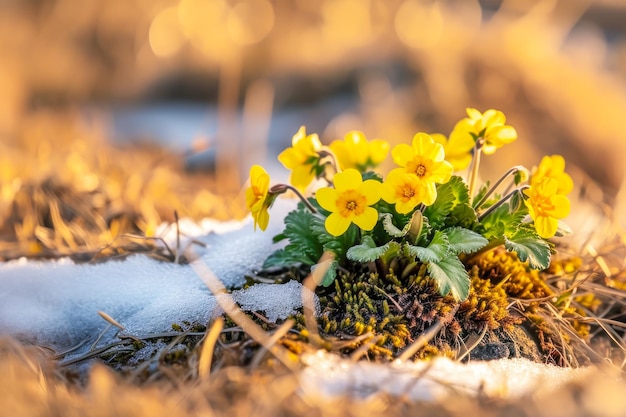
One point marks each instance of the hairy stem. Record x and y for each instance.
(475, 163)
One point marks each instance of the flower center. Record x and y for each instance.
(407, 192)
(544, 205)
(351, 203)
(417, 167)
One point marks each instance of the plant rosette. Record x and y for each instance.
(421, 213)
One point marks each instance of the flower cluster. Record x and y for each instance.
(420, 213)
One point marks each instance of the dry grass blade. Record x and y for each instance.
(474, 341)
(276, 336)
(111, 320)
(308, 296)
(231, 308)
(420, 342)
(206, 353)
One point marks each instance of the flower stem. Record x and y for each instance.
(502, 201)
(510, 172)
(327, 153)
(281, 188)
(475, 163)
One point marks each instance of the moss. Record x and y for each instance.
(517, 279)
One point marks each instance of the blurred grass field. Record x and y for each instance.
(556, 68)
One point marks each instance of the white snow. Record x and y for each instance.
(57, 302)
(328, 376)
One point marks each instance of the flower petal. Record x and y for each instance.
(259, 178)
(368, 219)
(546, 226)
(430, 193)
(301, 176)
(342, 154)
(442, 173)
(290, 158)
(473, 113)
(378, 150)
(336, 224)
(402, 154)
(372, 190)
(561, 207)
(503, 134)
(350, 179)
(262, 218)
(327, 198)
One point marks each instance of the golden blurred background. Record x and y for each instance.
(255, 70)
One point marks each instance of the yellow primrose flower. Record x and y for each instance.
(489, 125)
(356, 152)
(258, 200)
(301, 158)
(458, 148)
(405, 190)
(546, 206)
(425, 160)
(553, 167)
(349, 202)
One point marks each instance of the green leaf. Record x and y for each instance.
(482, 191)
(530, 247)
(371, 175)
(449, 195)
(283, 257)
(422, 254)
(501, 222)
(367, 251)
(437, 250)
(339, 245)
(391, 229)
(462, 240)
(462, 215)
(279, 237)
(451, 277)
(304, 246)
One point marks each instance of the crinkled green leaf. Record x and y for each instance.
(462, 240)
(339, 245)
(283, 257)
(391, 229)
(449, 195)
(530, 247)
(393, 250)
(501, 222)
(421, 253)
(482, 191)
(367, 251)
(304, 246)
(451, 277)
(437, 249)
(462, 215)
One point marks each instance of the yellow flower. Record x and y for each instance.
(405, 190)
(356, 152)
(458, 148)
(489, 125)
(553, 167)
(425, 160)
(546, 206)
(302, 158)
(258, 200)
(349, 202)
